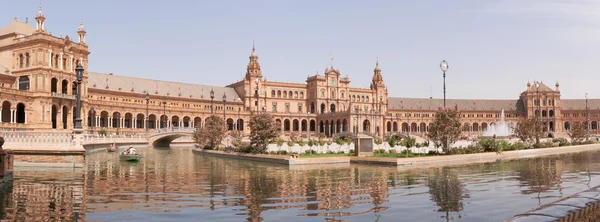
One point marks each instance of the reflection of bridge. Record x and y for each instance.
(163, 137)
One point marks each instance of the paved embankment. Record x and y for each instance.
(279, 159)
(584, 206)
(473, 158)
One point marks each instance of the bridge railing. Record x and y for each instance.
(101, 139)
(37, 140)
(172, 129)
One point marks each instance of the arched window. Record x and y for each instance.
(332, 108)
(284, 94)
(296, 95)
(301, 95)
(21, 60)
(279, 94)
(24, 83)
(273, 93)
(332, 93)
(27, 59)
(322, 93)
(367, 98)
(322, 107)
(65, 87)
(53, 85)
(342, 95)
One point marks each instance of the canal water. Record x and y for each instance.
(177, 185)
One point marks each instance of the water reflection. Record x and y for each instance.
(176, 185)
(447, 191)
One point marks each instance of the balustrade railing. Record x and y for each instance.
(172, 129)
(37, 139)
(97, 139)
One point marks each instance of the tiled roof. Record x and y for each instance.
(543, 88)
(3, 69)
(579, 104)
(17, 27)
(462, 104)
(174, 89)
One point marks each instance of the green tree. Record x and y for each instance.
(263, 130)
(212, 133)
(529, 130)
(446, 191)
(446, 127)
(577, 132)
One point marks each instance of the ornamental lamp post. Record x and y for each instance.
(224, 100)
(79, 75)
(92, 119)
(587, 119)
(147, 106)
(165, 111)
(444, 67)
(118, 121)
(256, 94)
(212, 97)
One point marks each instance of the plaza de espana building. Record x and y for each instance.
(38, 88)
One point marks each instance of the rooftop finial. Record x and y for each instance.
(81, 26)
(253, 50)
(40, 13)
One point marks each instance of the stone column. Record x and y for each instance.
(145, 121)
(0, 114)
(60, 64)
(134, 123)
(109, 122)
(50, 58)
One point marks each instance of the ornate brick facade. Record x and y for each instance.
(38, 87)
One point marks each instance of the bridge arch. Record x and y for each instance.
(164, 137)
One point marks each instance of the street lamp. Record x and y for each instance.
(79, 75)
(444, 66)
(587, 119)
(212, 97)
(165, 111)
(256, 94)
(92, 119)
(224, 100)
(146, 119)
(118, 121)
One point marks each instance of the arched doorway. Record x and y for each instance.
(312, 125)
(240, 124)
(312, 107)
(197, 122)
(54, 85)
(128, 120)
(6, 112)
(139, 119)
(366, 126)
(54, 116)
(151, 121)
(230, 124)
(65, 87)
(405, 127)
(304, 126)
(567, 126)
(175, 121)
(104, 119)
(295, 125)
(286, 125)
(65, 115)
(332, 108)
(186, 121)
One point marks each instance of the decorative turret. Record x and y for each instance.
(377, 78)
(557, 85)
(253, 69)
(40, 20)
(81, 33)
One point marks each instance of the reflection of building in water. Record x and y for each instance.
(179, 180)
(40, 197)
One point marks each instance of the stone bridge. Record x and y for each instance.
(163, 137)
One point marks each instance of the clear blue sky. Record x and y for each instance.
(493, 46)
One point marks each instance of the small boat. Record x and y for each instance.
(130, 157)
(112, 149)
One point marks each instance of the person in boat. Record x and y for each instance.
(130, 150)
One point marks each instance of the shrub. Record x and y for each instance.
(301, 143)
(351, 150)
(207, 147)
(339, 140)
(291, 143)
(392, 151)
(311, 143)
(341, 152)
(409, 142)
(279, 142)
(418, 145)
(329, 143)
(426, 143)
(377, 140)
(379, 151)
(518, 146)
(310, 152)
(392, 141)
(330, 152)
(282, 152)
(561, 141)
(102, 132)
(406, 152)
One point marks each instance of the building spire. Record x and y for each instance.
(40, 20)
(253, 69)
(81, 33)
